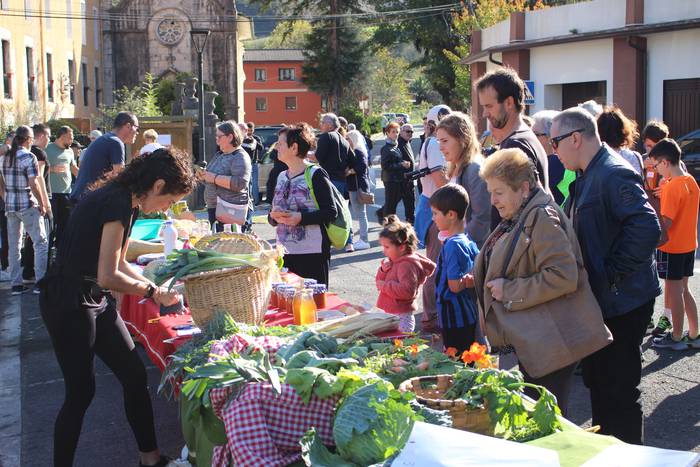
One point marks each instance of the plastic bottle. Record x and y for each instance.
(169, 237)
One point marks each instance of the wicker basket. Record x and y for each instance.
(430, 390)
(242, 292)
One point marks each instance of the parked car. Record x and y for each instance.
(268, 134)
(690, 152)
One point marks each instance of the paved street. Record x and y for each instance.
(31, 387)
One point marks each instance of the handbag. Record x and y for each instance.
(230, 213)
(365, 197)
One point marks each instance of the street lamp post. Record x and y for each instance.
(199, 40)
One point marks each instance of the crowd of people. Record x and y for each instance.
(549, 248)
(548, 245)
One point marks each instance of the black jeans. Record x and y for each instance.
(613, 375)
(399, 191)
(78, 333)
(61, 206)
(558, 382)
(4, 247)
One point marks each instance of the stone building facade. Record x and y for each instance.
(153, 36)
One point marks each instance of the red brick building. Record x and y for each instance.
(273, 91)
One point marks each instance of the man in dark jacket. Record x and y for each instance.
(253, 145)
(618, 231)
(394, 166)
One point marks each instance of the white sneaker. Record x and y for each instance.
(361, 245)
(4, 275)
(349, 248)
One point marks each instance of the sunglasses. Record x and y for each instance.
(558, 139)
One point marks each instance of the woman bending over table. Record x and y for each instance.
(79, 310)
(299, 222)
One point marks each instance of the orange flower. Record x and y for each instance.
(487, 361)
(475, 353)
(398, 343)
(414, 349)
(451, 352)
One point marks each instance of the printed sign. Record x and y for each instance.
(529, 93)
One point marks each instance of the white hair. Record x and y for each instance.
(358, 141)
(332, 119)
(576, 119)
(351, 126)
(542, 121)
(592, 107)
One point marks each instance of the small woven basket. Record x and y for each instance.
(430, 391)
(242, 292)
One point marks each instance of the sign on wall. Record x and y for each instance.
(529, 93)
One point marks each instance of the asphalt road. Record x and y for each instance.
(31, 386)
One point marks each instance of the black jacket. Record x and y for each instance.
(392, 170)
(406, 152)
(334, 155)
(618, 231)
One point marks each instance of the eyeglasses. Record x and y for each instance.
(135, 127)
(408, 131)
(540, 134)
(558, 139)
(653, 167)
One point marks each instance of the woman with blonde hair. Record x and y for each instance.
(530, 281)
(460, 145)
(150, 136)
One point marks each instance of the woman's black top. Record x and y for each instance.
(79, 250)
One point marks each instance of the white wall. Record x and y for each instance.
(569, 63)
(585, 17)
(672, 55)
(659, 11)
(498, 34)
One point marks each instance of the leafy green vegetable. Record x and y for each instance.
(432, 416)
(314, 453)
(372, 424)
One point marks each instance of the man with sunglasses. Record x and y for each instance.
(106, 155)
(502, 96)
(618, 232)
(405, 137)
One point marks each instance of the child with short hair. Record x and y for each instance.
(675, 259)
(457, 311)
(402, 273)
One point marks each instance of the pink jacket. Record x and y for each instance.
(401, 281)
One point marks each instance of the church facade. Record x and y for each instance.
(153, 36)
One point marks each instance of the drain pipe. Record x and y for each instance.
(643, 84)
(493, 60)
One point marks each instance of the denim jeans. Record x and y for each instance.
(359, 212)
(254, 187)
(31, 220)
(342, 187)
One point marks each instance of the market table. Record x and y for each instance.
(156, 333)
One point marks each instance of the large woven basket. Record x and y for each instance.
(430, 391)
(242, 292)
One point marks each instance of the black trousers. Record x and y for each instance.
(613, 375)
(4, 247)
(558, 382)
(61, 206)
(459, 338)
(395, 192)
(310, 265)
(92, 328)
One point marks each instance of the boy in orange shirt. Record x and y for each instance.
(680, 199)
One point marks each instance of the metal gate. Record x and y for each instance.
(682, 105)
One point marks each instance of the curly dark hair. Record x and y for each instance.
(399, 233)
(616, 129)
(302, 135)
(171, 165)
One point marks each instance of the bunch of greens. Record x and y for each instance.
(501, 392)
(371, 425)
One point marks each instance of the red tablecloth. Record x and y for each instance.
(153, 335)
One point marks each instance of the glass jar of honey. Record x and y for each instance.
(319, 294)
(307, 307)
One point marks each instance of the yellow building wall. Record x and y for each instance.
(54, 28)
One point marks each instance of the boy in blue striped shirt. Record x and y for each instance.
(457, 312)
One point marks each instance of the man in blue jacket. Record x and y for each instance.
(618, 231)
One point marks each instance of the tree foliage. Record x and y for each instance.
(387, 82)
(142, 100)
(288, 35)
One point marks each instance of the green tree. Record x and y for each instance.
(288, 35)
(388, 86)
(423, 91)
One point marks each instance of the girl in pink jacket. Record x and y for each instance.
(401, 275)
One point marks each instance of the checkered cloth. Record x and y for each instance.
(18, 195)
(262, 427)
